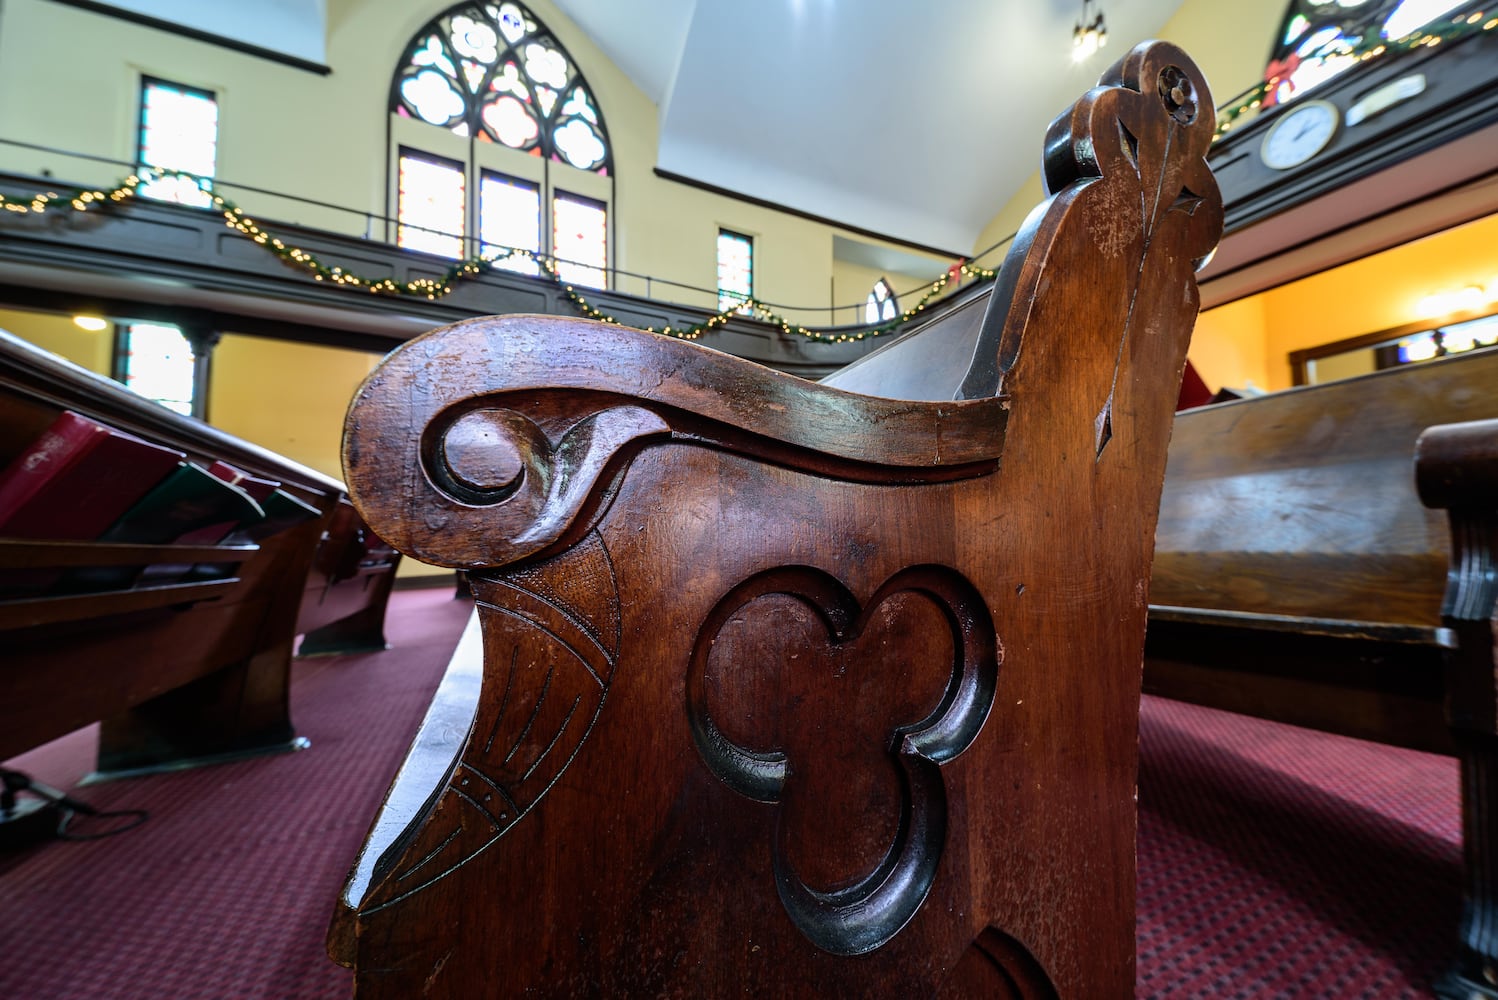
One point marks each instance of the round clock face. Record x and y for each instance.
(1301, 133)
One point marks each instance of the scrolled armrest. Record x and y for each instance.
(492, 439)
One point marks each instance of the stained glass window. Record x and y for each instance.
(580, 240)
(735, 268)
(431, 205)
(492, 72)
(509, 218)
(881, 305)
(179, 130)
(1319, 39)
(156, 360)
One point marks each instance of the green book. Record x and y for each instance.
(188, 504)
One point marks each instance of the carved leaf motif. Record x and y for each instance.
(551, 635)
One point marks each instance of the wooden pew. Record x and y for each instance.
(179, 672)
(348, 588)
(1298, 577)
(788, 689)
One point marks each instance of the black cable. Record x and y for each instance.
(13, 782)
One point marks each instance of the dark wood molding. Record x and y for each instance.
(749, 199)
(108, 10)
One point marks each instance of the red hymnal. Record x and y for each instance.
(76, 480)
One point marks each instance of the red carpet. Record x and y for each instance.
(1279, 862)
(226, 891)
(1273, 862)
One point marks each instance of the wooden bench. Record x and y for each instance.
(795, 689)
(1298, 577)
(179, 672)
(348, 588)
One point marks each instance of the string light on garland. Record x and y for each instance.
(85, 200)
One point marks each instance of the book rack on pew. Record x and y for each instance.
(179, 641)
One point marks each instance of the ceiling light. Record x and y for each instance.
(91, 323)
(1090, 34)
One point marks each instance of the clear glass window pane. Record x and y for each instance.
(735, 269)
(580, 240)
(509, 217)
(179, 130)
(159, 365)
(430, 207)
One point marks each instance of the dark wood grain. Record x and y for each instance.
(1299, 577)
(789, 690)
(1457, 470)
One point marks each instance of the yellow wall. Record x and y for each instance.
(1229, 43)
(60, 335)
(290, 398)
(1252, 339)
(1227, 347)
(1377, 293)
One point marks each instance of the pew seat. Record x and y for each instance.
(1299, 577)
(791, 689)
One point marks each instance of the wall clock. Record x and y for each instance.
(1301, 132)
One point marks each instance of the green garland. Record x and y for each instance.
(87, 199)
(1461, 26)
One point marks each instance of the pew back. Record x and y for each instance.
(789, 690)
(1303, 503)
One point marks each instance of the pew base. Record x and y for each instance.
(1354, 680)
(103, 775)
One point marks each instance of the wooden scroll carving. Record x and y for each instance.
(787, 689)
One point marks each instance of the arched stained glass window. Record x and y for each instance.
(881, 305)
(1318, 39)
(491, 72)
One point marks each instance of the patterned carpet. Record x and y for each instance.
(1273, 862)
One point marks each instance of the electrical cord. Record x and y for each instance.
(14, 782)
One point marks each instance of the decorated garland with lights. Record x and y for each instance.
(1428, 36)
(87, 199)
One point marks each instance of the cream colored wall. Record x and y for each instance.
(852, 283)
(288, 397)
(1230, 43)
(60, 335)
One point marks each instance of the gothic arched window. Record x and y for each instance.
(881, 305)
(492, 72)
(496, 139)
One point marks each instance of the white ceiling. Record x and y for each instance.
(296, 27)
(916, 120)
